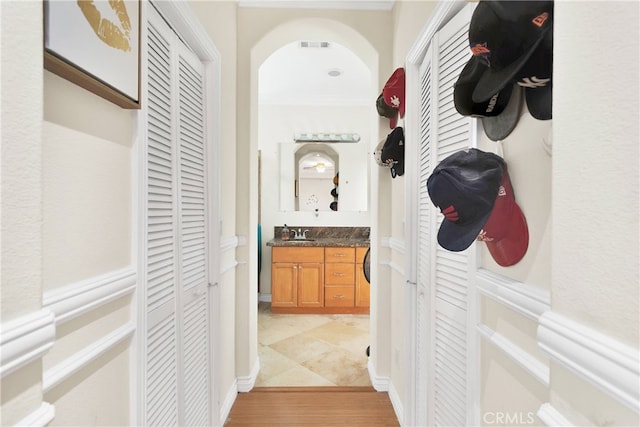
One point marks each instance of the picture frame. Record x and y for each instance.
(95, 44)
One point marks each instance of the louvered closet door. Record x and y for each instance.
(444, 277)
(193, 250)
(177, 368)
(425, 231)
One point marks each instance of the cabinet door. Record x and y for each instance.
(284, 279)
(310, 284)
(363, 289)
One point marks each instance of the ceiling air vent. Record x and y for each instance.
(314, 44)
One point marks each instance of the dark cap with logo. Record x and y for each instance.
(393, 152)
(499, 114)
(504, 34)
(464, 186)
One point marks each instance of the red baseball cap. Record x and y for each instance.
(505, 232)
(393, 94)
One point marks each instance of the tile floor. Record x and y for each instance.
(312, 350)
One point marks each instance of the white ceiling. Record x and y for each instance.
(295, 75)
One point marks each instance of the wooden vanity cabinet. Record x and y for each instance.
(318, 279)
(297, 277)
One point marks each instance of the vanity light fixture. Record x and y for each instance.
(326, 137)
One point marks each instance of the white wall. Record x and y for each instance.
(21, 212)
(595, 203)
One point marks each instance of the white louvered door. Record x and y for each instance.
(192, 226)
(445, 296)
(177, 368)
(425, 231)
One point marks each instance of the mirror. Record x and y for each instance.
(305, 185)
(315, 175)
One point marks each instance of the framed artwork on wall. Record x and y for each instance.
(96, 45)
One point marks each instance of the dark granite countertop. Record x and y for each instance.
(325, 236)
(335, 242)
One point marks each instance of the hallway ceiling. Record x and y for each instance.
(331, 75)
(301, 76)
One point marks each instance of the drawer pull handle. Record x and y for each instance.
(338, 297)
(338, 274)
(338, 255)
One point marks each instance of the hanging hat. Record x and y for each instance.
(393, 152)
(393, 96)
(464, 186)
(504, 34)
(499, 114)
(385, 110)
(377, 155)
(505, 232)
(536, 77)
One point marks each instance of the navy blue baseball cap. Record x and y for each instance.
(464, 186)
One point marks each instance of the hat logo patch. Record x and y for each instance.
(482, 237)
(450, 213)
(533, 82)
(481, 50)
(502, 191)
(395, 101)
(492, 103)
(540, 19)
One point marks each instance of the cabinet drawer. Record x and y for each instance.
(339, 274)
(291, 254)
(339, 255)
(338, 296)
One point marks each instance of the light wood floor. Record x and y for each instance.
(312, 406)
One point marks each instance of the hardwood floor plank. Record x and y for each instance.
(312, 406)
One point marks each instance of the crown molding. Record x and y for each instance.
(381, 5)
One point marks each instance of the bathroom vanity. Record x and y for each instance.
(321, 273)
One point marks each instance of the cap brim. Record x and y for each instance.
(492, 82)
(456, 238)
(499, 127)
(514, 244)
(539, 102)
(466, 84)
(393, 121)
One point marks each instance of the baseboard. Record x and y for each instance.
(227, 404)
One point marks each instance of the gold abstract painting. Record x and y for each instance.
(99, 38)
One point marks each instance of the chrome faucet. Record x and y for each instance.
(299, 234)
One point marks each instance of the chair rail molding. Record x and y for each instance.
(605, 362)
(26, 339)
(78, 298)
(526, 360)
(40, 417)
(525, 299)
(65, 369)
(551, 417)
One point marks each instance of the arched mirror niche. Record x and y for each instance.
(316, 184)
